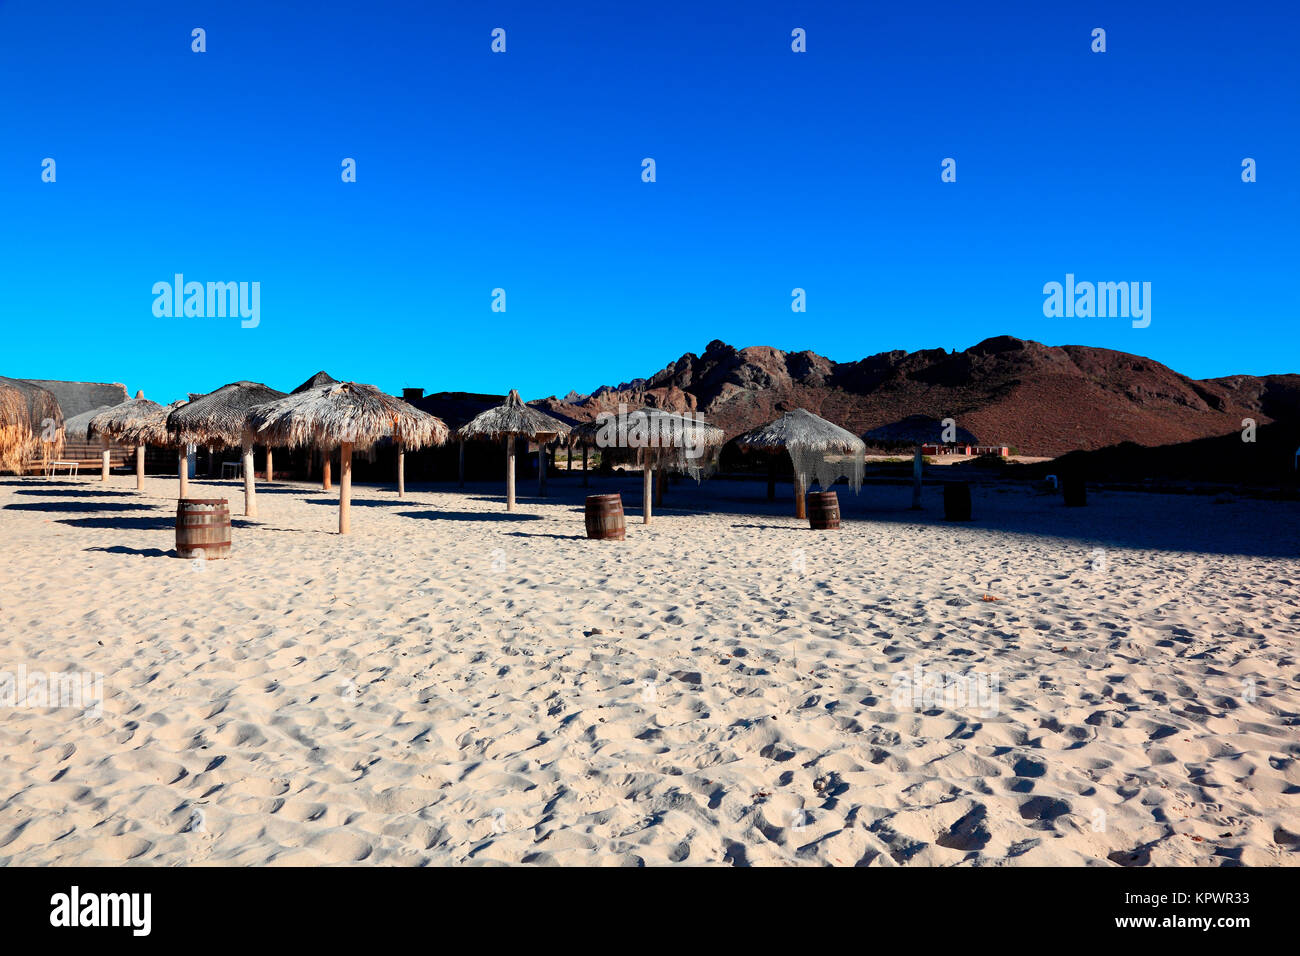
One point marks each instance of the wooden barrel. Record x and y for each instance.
(956, 501)
(1074, 491)
(823, 510)
(202, 528)
(605, 518)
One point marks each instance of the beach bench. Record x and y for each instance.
(52, 467)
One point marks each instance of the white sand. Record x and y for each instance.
(451, 684)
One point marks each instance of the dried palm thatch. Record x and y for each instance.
(510, 420)
(77, 428)
(345, 414)
(218, 418)
(316, 381)
(655, 440)
(126, 419)
(43, 437)
(684, 443)
(151, 428)
(513, 417)
(820, 450)
(329, 416)
(130, 418)
(15, 428)
(804, 430)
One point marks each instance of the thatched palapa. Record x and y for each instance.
(345, 415)
(38, 433)
(316, 381)
(134, 418)
(150, 428)
(77, 428)
(219, 419)
(820, 450)
(513, 417)
(658, 441)
(510, 420)
(15, 428)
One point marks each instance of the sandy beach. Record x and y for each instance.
(452, 684)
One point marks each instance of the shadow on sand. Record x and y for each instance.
(82, 506)
(159, 523)
(70, 492)
(1160, 522)
(142, 552)
(469, 515)
(558, 537)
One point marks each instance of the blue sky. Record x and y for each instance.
(522, 171)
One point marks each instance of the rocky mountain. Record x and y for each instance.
(1040, 399)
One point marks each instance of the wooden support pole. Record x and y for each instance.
(270, 469)
(401, 469)
(250, 484)
(139, 467)
(325, 470)
(510, 473)
(541, 468)
(917, 463)
(184, 471)
(104, 461)
(799, 504)
(647, 493)
(345, 487)
(462, 463)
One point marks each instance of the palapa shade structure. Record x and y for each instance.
(77, 428)
(316, 381)
(344, 415)
(219, 419)
(15, 428)
(660, 441)
(510, 420)
(135, 417)
(811, 442)
(150, 428)
(31, 423)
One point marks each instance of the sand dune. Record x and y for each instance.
(452, 684)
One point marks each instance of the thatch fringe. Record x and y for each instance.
(801, 429)
(642, 427)
(123, 423)
(77, 428)
(666, 440)
(150, 427)
(15, 428)
(329, 415)
(41, 436)
(819, 450)
(218, 418)
(513, 417)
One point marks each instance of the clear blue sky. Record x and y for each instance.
(522, 171)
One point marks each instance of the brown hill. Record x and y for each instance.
(1040, 399)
